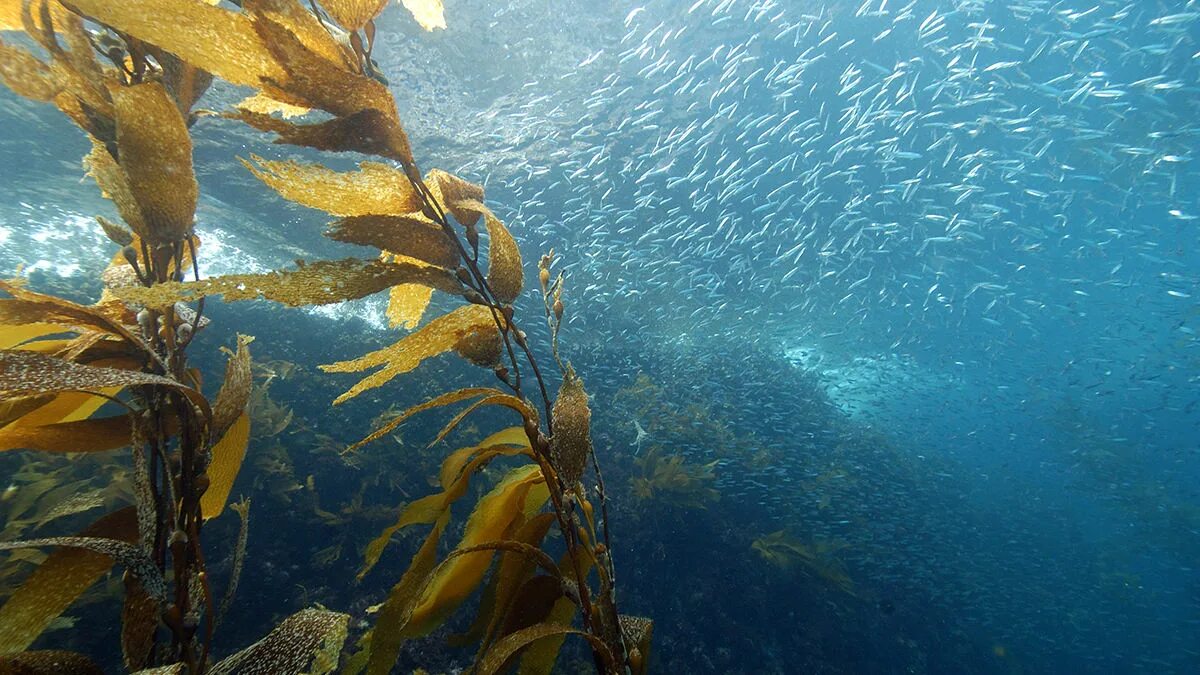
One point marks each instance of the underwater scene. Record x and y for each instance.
(678, 336)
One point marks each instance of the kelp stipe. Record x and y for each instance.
(426, 229)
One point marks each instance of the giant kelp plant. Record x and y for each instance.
(129, 74)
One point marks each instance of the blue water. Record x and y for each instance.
(930, 266)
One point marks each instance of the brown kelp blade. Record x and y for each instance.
(436, 337)
(24, 373)
(308, 641)
(319, 283)
(58, 582)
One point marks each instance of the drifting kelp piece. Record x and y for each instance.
(227, 456)
(239, 558)
(430, 14)
(156, 155)
(58, 582)
(353, 14)
(511, 645)
(320, 283)
(375, 189)
(306, 642)
(26, 75)
(48, 662)
(571, 442)
(90, 435)
(436, 337)
(24, 373)
(413, 236)
(406, 305)
(217, 40)
(234, 395)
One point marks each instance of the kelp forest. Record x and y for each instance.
(111, 398)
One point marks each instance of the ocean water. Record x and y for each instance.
(910, 289)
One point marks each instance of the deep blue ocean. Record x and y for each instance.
(908, 291)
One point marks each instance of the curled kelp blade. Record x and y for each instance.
(508, 647)
(308, 641)
(319, 283)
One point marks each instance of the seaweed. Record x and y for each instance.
(131, 87)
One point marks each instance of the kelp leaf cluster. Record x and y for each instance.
(425, 233)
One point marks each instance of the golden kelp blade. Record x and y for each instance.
(90, 435)
(58, 581)
(227, 457)
(25, 373)
(452, 193)
(412, 236)
(29, 307)
(306, 642)
(429, 508)
(504, 262)
(10, 14)
(452, 466)
(448, 398)
(388, 634)
(156, 155)
(114, 184)
(26, 75)
(436, 337)
(264, 105)
(375, 189)
(492, 517)
(319, 283)
(406, 305)
(13, 335)
(353, 14)
(68, 406)
(217, 40)
(510, 645)
(430, 14)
